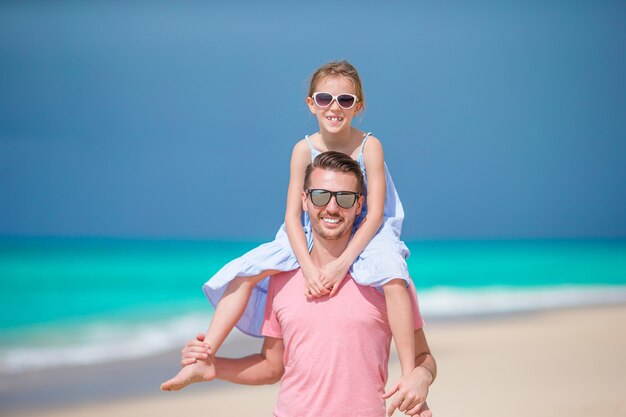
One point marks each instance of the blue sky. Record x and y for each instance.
(176, 120)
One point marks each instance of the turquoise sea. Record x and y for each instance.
(69, 301)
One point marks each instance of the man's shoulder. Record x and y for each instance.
(284, 276)
(283, 281)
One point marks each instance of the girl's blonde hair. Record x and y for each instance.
(338, 68)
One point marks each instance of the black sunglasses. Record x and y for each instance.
(344, 199)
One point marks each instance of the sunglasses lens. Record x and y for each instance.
(320, 197)
(346, 200)
(345, 101)
(323, 99)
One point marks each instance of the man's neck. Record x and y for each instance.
(326, 251)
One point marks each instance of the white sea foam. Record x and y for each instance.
(445, 302)
(107, 342)
(103, 342)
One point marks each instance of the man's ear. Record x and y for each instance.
(304, 198)
(359, 204)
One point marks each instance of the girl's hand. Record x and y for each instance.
(411, 391)
(333, 274)
(313, 286)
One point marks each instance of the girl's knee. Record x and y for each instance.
(250, 281)
(239, 280)
(394, 282)
(395, 285)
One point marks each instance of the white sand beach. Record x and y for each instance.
(552, 363)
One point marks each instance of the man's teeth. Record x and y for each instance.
(330, 220)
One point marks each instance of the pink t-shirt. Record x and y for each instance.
(336, 349)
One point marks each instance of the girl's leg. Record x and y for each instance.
(400, 315)
(227, 313)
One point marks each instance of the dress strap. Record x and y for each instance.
(311, 148)
(363, 143)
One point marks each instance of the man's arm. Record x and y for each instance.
(262, 368)
(412, 389)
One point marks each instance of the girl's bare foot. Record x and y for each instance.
(200, 371)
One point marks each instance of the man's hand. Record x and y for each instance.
(198, 366)
(194, 350)
(333, 274)
(313, 286)
(410, 394)
(420, 411)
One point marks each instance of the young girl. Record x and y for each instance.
(375, 256)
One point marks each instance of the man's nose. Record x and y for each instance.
(332, 205)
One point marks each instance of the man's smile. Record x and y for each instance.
(331, 220)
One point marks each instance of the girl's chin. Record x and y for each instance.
(335, 128)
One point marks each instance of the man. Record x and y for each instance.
(330, 353)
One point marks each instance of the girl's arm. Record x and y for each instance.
(374, 158)
(300, 159)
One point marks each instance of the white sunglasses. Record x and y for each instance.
(346, 101)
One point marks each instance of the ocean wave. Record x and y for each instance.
(101, 342)
(446, 302)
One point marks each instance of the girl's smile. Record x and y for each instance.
(334, 120)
